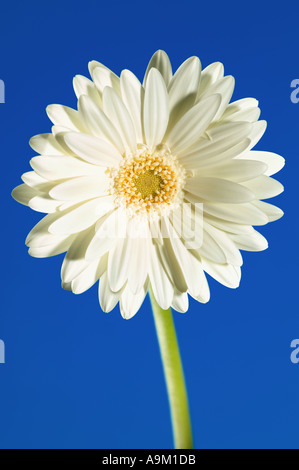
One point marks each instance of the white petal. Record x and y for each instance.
(92, 149)
(238, 213)
(226, 274)
(273, 161)
(169, 258)
(193, 124)
(65, 117)
(74, 262)
(104, 77)
(84, 86)
(44, 203)
(257, 131)
(227, 226)
(180, 302)
(155, 232)
(120, 117)
(89, 276)
(108, 299)
(223, 130)
(198, 298)
(58, 167)
(23, 194)
(187, 222)
(130, 303)
(250, 241)
(210, 249)
(37, 201)
(160, 61)
(44, 238)
(41, 230)
(46, 144)
(264, 187)
(80, 189)
(139, 262)
(34, 180)
(232, 254)
(51, 250)
(236, 170)
(192, 269)
(108, 231)
(139, 266)
(156, 111)
(209, 76)
(218, 190)
(225, 88)
(86, 279)
(59, 132)
(245, 109)
(208, 157)
(249, 115)
(241, 105)
(132, 94)
(92, 66)
(183, 88)
(272, 212)
(66, 285)
(98, 123)
(218, 139)
(119, 263)
(162, 287)
(81, 217)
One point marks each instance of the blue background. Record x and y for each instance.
(78, 378)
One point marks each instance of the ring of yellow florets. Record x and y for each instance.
(148, 182)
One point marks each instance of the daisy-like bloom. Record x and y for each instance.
(136, 156)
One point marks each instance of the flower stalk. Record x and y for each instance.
(174, 376)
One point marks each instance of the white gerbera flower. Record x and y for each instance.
(138, 155)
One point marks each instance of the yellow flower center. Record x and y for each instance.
(147, 182)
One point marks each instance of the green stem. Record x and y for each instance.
(174, 375)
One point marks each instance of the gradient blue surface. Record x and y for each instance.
(76, 377)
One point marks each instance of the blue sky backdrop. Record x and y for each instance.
(76, 377)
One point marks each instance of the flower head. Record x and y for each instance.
(151, 183)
